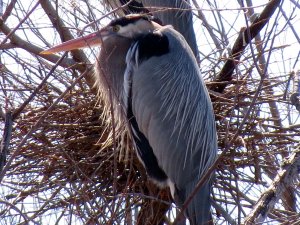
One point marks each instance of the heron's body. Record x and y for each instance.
(151, 74)
(168, 108)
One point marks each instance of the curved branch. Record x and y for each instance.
(19, 24)
(14, 207)
(66, 35)
(19, 42)
(244, 38)
(9, 9)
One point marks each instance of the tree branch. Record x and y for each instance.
(8, 10)
(19, 42)
(66, 35)
(244, 38)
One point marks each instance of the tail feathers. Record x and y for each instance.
(198, 211)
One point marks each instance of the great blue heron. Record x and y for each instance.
(154, 76)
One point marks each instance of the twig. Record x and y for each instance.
(17, 112)
(224, 213)
(19, 24)
(14, 207)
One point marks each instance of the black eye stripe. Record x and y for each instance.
(124, 21)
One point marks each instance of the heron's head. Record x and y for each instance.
(130, 26)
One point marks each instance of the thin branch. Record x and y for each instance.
(14, 207)
(207, 26)
(244, 38)
(17, 41)
(19, 24)
(225, 214)
(8, 10)
(17, 112)
(66, 35)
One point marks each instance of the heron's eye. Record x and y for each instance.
(116, 28)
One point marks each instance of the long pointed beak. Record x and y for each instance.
(90, 40)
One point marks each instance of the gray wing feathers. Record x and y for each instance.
(169, 96)
(173, 110)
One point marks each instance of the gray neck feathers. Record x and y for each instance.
(109, 73)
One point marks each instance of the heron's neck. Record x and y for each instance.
(111, 65)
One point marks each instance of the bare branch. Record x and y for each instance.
(20, 23)
(244, 38)
(17, 41)
(66, 35)
(8, 10)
